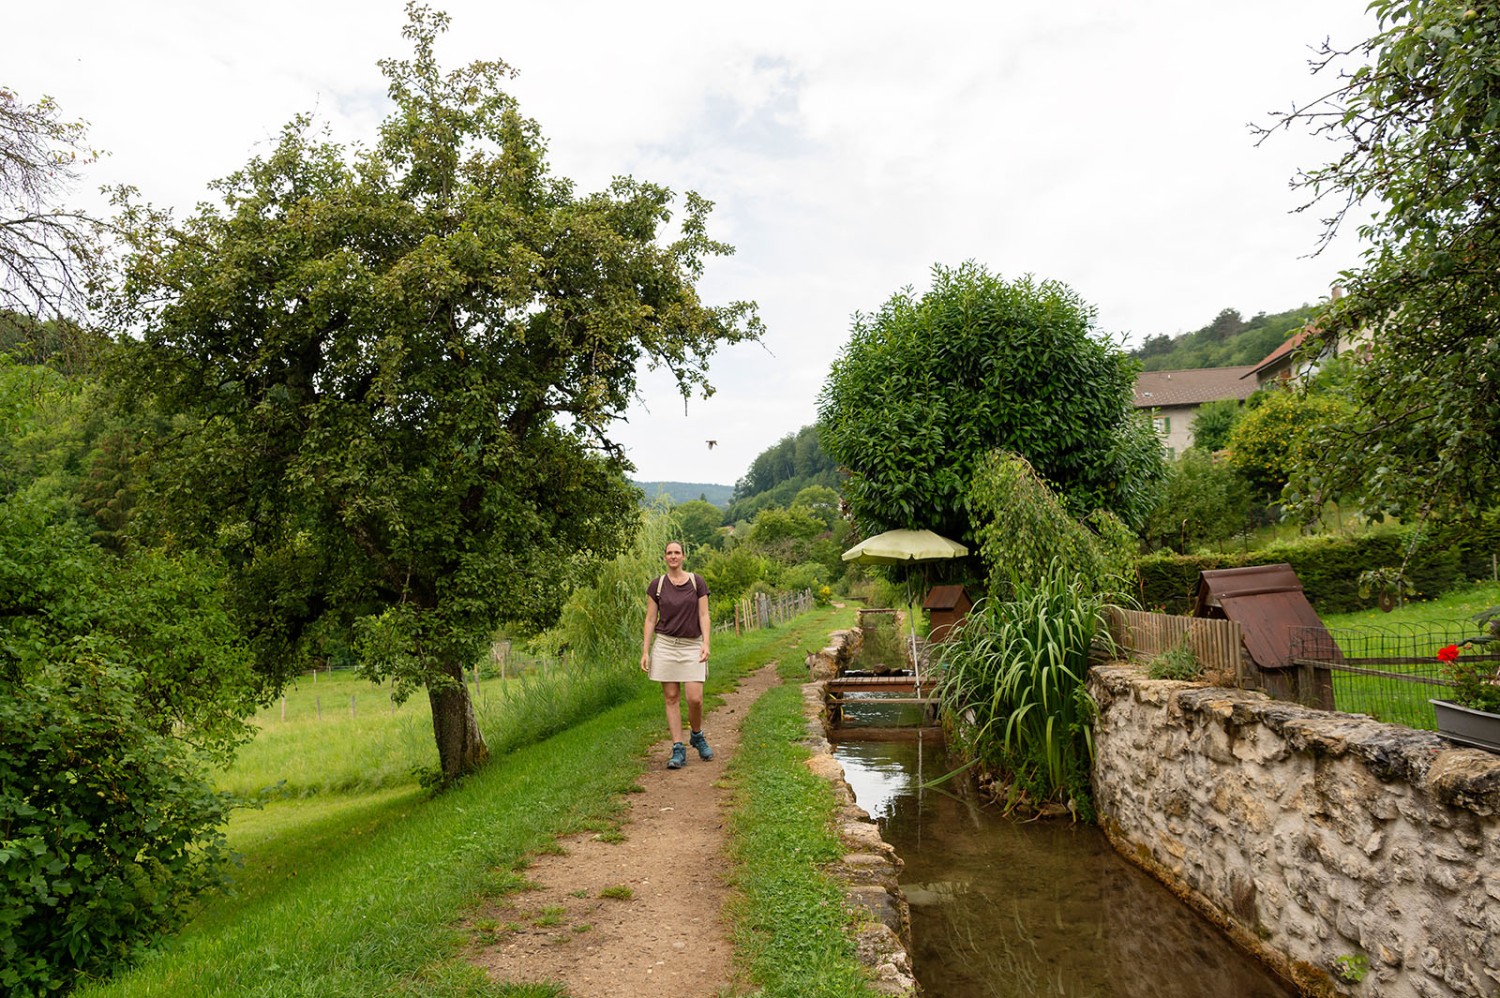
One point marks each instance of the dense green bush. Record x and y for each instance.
(120, 678)
(1329, 565)
(108, 827)
(1023, 530)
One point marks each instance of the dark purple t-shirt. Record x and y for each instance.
(677, 606)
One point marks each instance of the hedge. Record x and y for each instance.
(1329, 565)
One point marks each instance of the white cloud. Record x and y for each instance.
(848, 147)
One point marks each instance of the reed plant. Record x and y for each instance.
(602, 621)
(1014, 675)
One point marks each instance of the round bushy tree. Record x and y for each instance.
(928, 385)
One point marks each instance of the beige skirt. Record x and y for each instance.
(675, 660)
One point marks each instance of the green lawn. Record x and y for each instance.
(356, 882)
(1407, 640)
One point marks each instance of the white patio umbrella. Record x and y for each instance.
(905, 547)
(902, 547)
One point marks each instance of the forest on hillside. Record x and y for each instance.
(1230, 340)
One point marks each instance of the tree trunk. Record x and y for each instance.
(461, 748)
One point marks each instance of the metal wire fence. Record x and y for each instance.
(1388, 672)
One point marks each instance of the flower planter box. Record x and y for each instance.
(1467, 726)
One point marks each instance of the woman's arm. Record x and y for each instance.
(703, 627)
(646, 637)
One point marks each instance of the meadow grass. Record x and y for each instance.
(1414, 630)
(790, 925)
(1454, 607)
(363, 891)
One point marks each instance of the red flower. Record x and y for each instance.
(1447, 654)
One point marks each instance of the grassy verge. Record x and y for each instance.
(790, 927)
(361, 892)
(1450, 608)
(1413, 633)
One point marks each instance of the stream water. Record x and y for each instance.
(1045, 908)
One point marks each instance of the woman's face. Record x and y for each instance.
(673, 557)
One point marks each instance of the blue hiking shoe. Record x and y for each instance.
(679, 756)
(701, 744)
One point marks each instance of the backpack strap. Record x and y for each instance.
(660, 580)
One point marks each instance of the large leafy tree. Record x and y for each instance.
(928, 385)
(1417, 121)
(395, 371)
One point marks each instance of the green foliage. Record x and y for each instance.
(108, 826)
(120, 679)
(1204, 501)
(603, 620)
(731, 574)
(1019, 667)
(1473, 683)
(1415, 119)
(1177, 663)
(1473, 678)
(1286, 430)
(1228, 341)
(1330, 566)
(698, 524)
(1351, 968)
(1213, 424)
(927, 386)
(779, 472)
(396, 370)
(1023, 531)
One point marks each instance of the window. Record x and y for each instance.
(1162, 424)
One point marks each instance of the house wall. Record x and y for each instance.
(1310, 836)
(1179, 435)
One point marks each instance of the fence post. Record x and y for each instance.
(351, 705)
(318, 703)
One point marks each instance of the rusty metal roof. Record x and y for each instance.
(1267, 602)
(947, 598)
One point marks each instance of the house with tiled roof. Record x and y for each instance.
(1285, 363)
(1173, 398)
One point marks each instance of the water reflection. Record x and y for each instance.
(1002, 908)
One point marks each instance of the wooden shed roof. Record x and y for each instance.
(946, 598)
(1268, 603)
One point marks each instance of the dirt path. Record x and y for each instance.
(659, 929)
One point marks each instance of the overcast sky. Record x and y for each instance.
(848, 147)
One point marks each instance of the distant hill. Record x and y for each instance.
(781, 471)
(678, 492)
(1229, 341)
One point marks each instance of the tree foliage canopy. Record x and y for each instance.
(395, 371)
(1417, 120)
(928, 385)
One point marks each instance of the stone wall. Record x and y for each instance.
(1356, 858)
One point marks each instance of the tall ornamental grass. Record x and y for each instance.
(1013, 677)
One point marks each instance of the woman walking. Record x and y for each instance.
(677, 615)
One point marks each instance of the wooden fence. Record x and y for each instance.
(764, 610)
(1215, 643)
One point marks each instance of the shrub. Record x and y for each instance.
(108, 828)
(1023, 529)
(1328, 565)
(1178, 663)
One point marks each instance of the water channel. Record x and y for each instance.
(1023, 909)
